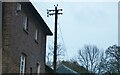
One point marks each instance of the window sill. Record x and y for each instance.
(36, 41)
(26, 31)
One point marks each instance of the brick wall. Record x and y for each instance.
(5, 52)
(0, 38)
(16, 41)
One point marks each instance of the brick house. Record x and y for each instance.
(22, 38)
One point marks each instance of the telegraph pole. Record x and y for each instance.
(56, 13)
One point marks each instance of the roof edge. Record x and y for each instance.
(38, 16)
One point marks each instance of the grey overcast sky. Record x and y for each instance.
(94, 23)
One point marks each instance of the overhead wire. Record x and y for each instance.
(40, 9)
(63, 40)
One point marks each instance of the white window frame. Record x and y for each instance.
(36, 34)
(38, 68)
(22, 64)
(19, 7)
(26, 23)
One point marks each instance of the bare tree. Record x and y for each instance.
(49, 59)
(102, 68)
(113, 58)
(60, 54)
(110, 62)
(89, 57)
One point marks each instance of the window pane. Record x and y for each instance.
(36, 34)
(38, 69)
(18, 7)
(22, 64)
(26, 23)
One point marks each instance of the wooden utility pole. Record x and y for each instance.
(55, 12)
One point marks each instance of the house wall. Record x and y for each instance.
(0, 37)
(16, 41)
